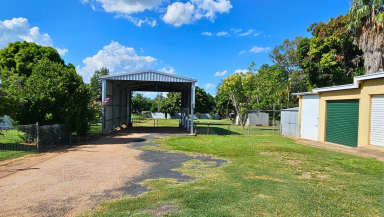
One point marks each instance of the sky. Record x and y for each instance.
(206, 40)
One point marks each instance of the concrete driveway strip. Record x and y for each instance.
(67, 183)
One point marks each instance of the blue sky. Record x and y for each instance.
(202, 39)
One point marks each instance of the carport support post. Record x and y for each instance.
(189, 106)
(192, 105)
(103, 97)
(129, 107)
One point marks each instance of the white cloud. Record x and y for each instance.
(257, 49)
(236, 30)
(209, 8)
(117, 58)
(126, 6)
(222, 33)
(62, 52)
(258, 33)
(247, 33)
(18, 29)
(221, 73)
(137, 21)
(170, 71)
(142, 50)
(207, 33)
(209, 85)
(241, 52)
(179, 13)
(241, 71)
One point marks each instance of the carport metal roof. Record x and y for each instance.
(151, 80)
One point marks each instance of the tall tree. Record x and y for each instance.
(95, 83)
(223, 104)
(285, 55)
(172, 104)
(240, 87)
(140, 103)
(365, 20)
(272, 88)
(205, 102)
(330, 58)
(52, 94)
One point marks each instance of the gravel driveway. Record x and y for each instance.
(68, 182)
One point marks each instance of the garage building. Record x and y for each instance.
(351, 115)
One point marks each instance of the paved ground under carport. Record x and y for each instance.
(67, 182)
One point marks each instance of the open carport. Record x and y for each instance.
(119, 87)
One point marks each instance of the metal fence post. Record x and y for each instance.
(273, 118)
(229, 131)
(208, 129)
(249, 129)
(37, 136)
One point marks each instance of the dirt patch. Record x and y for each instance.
(264, 196)
(293, 162)
(161, 210)
(67, 182)
(309, 175)
(252, 176)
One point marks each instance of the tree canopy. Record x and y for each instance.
(52, 94)
(330, 58)
(140, 103)
(95, 83)
(285, 55)
(172, 104)
(240, 87)
(23, 56)
(38, 87)
(205, 103)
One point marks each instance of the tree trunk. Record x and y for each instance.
(371, 41)
(165, 115)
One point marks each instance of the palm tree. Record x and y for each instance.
(366, 19)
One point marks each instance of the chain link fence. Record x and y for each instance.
(139, 121)
(210, 127)
(33, 137)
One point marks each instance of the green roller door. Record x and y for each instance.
(342, 122)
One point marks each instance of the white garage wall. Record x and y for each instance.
(310, 117)
(377, 121)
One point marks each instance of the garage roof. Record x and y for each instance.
(355, 85)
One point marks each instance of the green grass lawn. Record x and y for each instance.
(264, 176)
(13, 146)
(96, 128)
(157, 123)
(223, 127)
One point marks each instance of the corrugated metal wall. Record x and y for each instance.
(289, 123)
